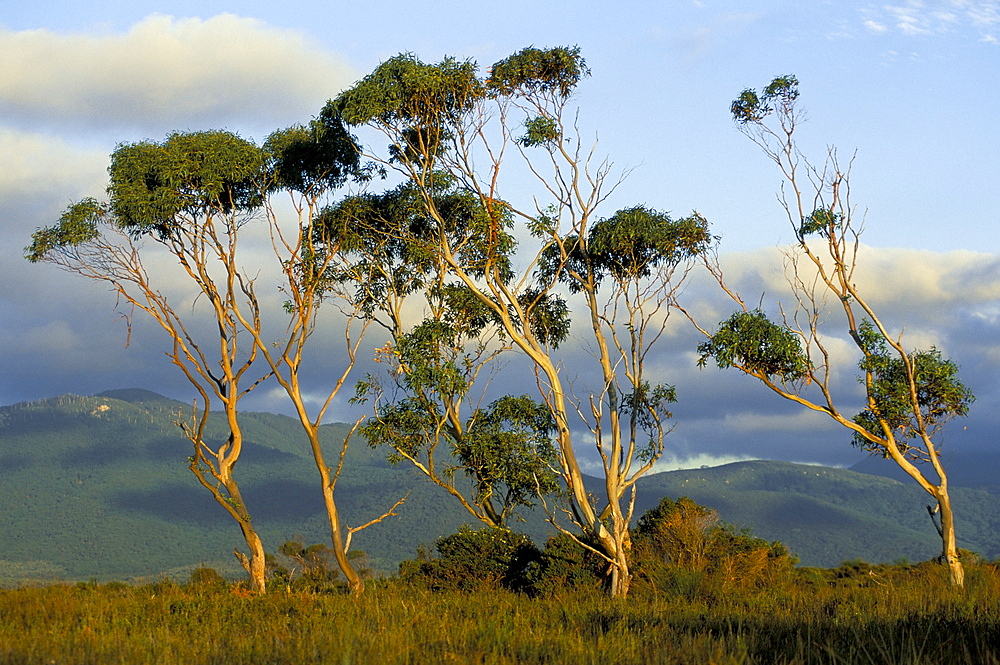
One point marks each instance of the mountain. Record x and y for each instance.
(98, 487)
(966, 468)
(827, 515)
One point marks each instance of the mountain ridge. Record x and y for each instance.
(97, 487)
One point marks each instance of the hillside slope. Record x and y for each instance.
(97, 487)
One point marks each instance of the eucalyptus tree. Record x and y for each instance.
(309, 162)
(188, 196)
(448, 126)
(909, 395)
(428, 408)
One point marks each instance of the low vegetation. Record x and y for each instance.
(704, 592)
(902, 614)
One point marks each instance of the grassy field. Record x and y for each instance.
(860, 614)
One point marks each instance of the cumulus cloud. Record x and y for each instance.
(166, 73)
(910, 288)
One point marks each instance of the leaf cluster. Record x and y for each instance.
(321, 155)
(751, 107)
(485, 559)
(189, 174)
(77, 225)
(751, 341)
(508, 449)
(628, 246)
(646, 408)
(533, 70)
(939, 393)
(823, 221)
(405, 90)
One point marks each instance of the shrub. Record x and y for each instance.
(564, 565)
(468, 559)
(682, 547)
(309, 567)
(206, 578)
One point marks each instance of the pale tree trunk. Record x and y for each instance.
(621, 576)
(255, 563)
(949, 550)
(355, 582)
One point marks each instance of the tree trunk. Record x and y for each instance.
(621, 577)
(255, 563)
(354, 580)
(949, 550)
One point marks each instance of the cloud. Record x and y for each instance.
(916, 18)
(40, 170)
(165, 73)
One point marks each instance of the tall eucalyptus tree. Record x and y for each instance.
(909, 395)
(526, 254)
(189, 195)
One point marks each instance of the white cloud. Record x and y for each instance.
(165, 72)
(911, 285)
(671, 463)
(919, 18)
(37, 166)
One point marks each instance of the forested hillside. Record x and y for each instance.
(97, 487)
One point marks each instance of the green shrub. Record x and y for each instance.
(206, 578)
(309, 567)
(470, 560)
(565, 565)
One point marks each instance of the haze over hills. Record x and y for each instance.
(98, 487)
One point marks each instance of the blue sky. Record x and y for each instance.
(911, 86)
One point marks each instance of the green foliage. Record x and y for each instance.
(505, 448)
(566, 567)
(206, 578)
(548, 316)
(540, 130)
(189, 174)
(489, 558)
(646, 407)
(628, 246)
(315, 157)
(509, 452)
(532, 70)
(405, 90)
(822, 221)
(752, 108)
(940, 395)
(77, 225)
(389, 239)
(752, 341)
(309, 567)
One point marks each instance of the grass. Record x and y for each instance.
(899, 615)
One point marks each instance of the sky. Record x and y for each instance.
(909, 88)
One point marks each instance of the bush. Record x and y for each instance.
(310, 567)
(566, 566)
(467, 560)
(206, 578)
(682, 547)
